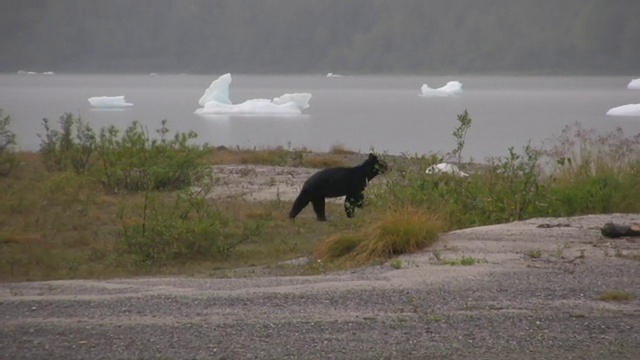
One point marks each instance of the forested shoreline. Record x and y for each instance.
(294, 36)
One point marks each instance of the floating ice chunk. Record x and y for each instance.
(634, 84)
(333, 75)
(300, 99)
(452, 88)
(216, 101)
(249, 107)
(108, 102)
(625, 110)
(445, 168)
(48, 73)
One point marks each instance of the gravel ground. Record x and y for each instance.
(534, 295)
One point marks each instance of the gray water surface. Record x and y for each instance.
(385, 113)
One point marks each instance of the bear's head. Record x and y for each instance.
(374, 166)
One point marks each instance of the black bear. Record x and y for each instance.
(335, 182)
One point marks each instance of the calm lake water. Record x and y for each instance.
(385, 113)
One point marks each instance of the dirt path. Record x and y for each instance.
(534, 295)
(259, 183)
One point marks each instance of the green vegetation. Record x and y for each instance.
(123, 203)
(534, 254)
(396, 264)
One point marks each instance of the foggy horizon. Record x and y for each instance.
(405, 37)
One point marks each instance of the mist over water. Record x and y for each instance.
(385, 113)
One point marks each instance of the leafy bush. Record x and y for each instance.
(8, 159)
(134, 161)
(127, 161)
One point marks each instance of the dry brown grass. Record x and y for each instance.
(341, 149)
(282, 157)
(269, 156)
(323, 161)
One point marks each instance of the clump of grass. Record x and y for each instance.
(338, 246)
(534, 254)
(396, 264)
(616, 296)
(463, 261)
(396, 232)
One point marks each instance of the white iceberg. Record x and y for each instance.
(333, 75)
(452, 88)
(625, 110)
(108, 102)
(300, 99)
(445, 168)
(218, 91)
(634, 84)
(48, 73)
(215, 100)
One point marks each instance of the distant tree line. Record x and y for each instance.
(304, 36)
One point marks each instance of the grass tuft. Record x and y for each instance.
(463, 261)
(399, 231)
(616, 296)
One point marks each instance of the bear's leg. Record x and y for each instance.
(301, 201)
(350, 204)
(318, 208)
(349, 207)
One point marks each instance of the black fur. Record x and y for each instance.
(336, 182)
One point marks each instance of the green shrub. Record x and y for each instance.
(160, 233)
(134, 161)
(124, 161)
(8, 159)
(70, 148)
